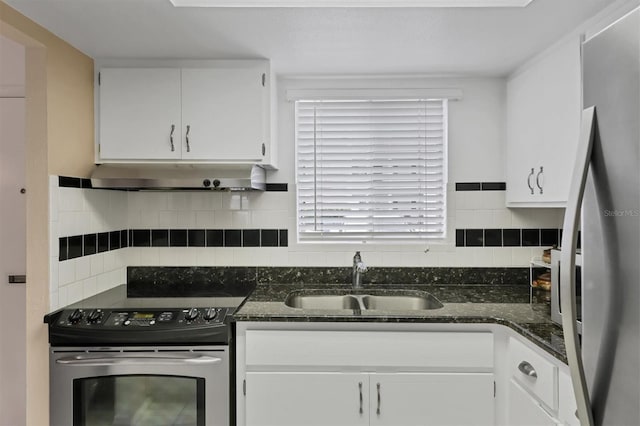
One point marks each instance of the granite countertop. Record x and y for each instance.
(518, 307)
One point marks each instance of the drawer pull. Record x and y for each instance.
(360, 388)
(527, 369)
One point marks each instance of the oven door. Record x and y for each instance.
(139, 386)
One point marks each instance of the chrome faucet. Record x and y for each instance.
(358, 269)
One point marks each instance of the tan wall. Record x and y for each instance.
(70, 135)
(59, 138)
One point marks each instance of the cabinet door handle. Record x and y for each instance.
(186, 136)
(529, 180)
(540, 174)
(360, 389)
(378, 409)
(173, 128)
(527, 369)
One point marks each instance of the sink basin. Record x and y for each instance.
(404, 302)
(401, 303)
(315, 301)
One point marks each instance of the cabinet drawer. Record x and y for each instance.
(465, 350)
(543, 380)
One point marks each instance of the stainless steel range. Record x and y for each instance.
(117, 360)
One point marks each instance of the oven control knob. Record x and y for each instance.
(211, 313)
(94, 316)
(75, 316)
(191, 314)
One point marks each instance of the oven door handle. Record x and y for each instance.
(146, 359)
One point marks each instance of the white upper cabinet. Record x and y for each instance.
(543, 123)
(224, 113)
(213, 113)
(139, 114)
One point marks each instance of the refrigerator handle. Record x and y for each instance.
(588, 129)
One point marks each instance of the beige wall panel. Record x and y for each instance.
(59, 137)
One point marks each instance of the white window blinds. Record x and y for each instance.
(370, 170)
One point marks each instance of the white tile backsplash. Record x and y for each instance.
(71, 199)
(76, 211)
(186, 219)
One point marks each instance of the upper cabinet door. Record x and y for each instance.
(224, 114)
(543, 126)
(139, 112)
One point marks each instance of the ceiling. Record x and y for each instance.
(476, 41)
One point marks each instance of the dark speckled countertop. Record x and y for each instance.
(518, 307)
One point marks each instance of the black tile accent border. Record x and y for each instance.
(507, 237)
(114, 240)
(284, 237)
(493, 237)
(73, 182)
(511, 238)
(494, 186)
(64, 248)
(178, 238)
(75, 247)
(215, 238)
(196, 237)
(473, 238)
(251, 238)
(233, 238)
(468, 186)
(69, 182)
(103, 242)
(140, 238)
(269, 237)
(530, 237)
(277, 187)
(160, 238)
(481, 186)
(549, 237)
(88, 244)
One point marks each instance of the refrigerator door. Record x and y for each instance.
(611, 225)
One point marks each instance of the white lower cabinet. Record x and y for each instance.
(381, 399)
(351, 376)
(443, 399)
(344, 374)
(539, 387)
(525, 410)
(313, 399)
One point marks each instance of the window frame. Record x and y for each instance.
(369, 237)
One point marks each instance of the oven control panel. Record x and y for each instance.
(141, 318)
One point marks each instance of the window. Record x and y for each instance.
(371, 170)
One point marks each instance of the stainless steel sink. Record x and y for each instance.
(393, 302)
(401, 303)
(316, 301)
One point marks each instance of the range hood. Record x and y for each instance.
(147, 177)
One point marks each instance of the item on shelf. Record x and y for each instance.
(542, 281)
(546, 254)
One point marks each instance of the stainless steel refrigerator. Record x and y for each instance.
(606, 182)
